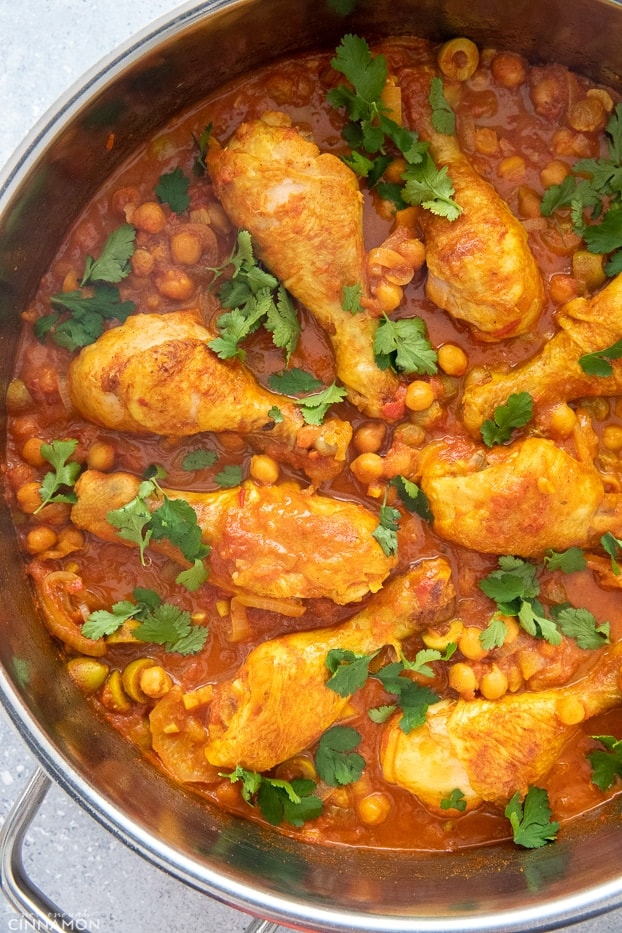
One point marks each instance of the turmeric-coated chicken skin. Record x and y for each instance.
(490, 749)
(278, 703)
(278, 541)
(521, 499)
(587, 325)
(480, 267)
(304, 211)
(156, 374)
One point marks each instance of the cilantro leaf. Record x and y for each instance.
(199, 459)
(113, 263)
(194, 576)
(176, 521)
(103, 622)
(278, 800)
(514, 580)
(62, 477)
(612, 546)
(403, 345)
(293, 381)
(581, 625)
(88, 313)
(424, 657)
(432, 188)
(351, 298)
(172, 627)
(349, 670)
(412, 497)
(517, 411)
(172, 189)
(133, 523)
(606, 764)
(455, 801)
(413, 698)
(605, 236)
(380, 714)
(314, 407)
(531, 822)
(494, 635)
(282, 322)
(366, 73)
(443, 118)
(202, 145)
(336, 761)
(388, 526)
(568, 561)
(598, 363)
(229, 477)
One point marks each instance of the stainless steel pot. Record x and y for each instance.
(500, 888)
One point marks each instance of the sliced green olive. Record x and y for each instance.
(130, 678)
(113, 695)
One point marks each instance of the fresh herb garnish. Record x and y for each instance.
(229, 477)
(568, 561)
(412, 497)
(57, 484)
(516, 413)
(97, 299)
(202, 145)
(291, 801)
(172, 189)
(349, 670)
(531, 822)
(413, 699)
(443, 117)
(495, 633)
(199, 459)
(388, 526)
(293, 381)
(598, 363)
(314, 407)
(595, 189)
(369, 128)
(255, 298)
(581, 625)
(173, 520)
(336, 761)
(403, 345)
(455, 801)
(160, 623)
(612, 546)
(606, 764)
(351, 298)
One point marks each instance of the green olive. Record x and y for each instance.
(130, 678)
(87, 673)
(113, 695)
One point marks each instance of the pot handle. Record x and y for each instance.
(20, 891)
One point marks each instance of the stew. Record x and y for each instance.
(314, 447)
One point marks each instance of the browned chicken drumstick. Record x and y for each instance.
(480, 266)
(255, 719)
(304, 211)
(587, 325)
(278, 541)
(490, 749)
(155, 373)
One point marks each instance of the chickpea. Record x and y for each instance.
(367, 467)
(554, 173)
(123, 199)
(149, 217)
(562, 288)
(40, 539)
(155, 682)
(512, 168)
(419, 395)
(186, 248)
(101, 456)
(70, 539)
(369, 438)
(470, 645)
(31, 452)
(529, 202)
(395, 169)
(612, 438)
(587, 115)
(264, 469)
(175, 284)
(508, 69)
(452, 360)
(388, 296)
(462, 679)
(493, 684)
(374, 809)
(562, 420)
(486, 141)
(458, 59)
(567, 142)
(603, 96)
(142, 262)
(29, 497)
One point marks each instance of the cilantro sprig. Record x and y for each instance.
(173, 520)
(606, 763)
(374, 137)
(532, 826)
(336, 762)
(599, 362)
(254, 298)
(388, 526)
(57, 484)
(313, 406)
(172, 189)
(454, 801)
(404, 346)
(160, 623)
(515, 413)
(515, 587)
(96, 300)
(593, 194)
(279, 801)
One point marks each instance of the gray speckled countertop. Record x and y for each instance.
(45, 46)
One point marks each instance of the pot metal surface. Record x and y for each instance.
(164, 70)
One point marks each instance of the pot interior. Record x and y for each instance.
(163, 71)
